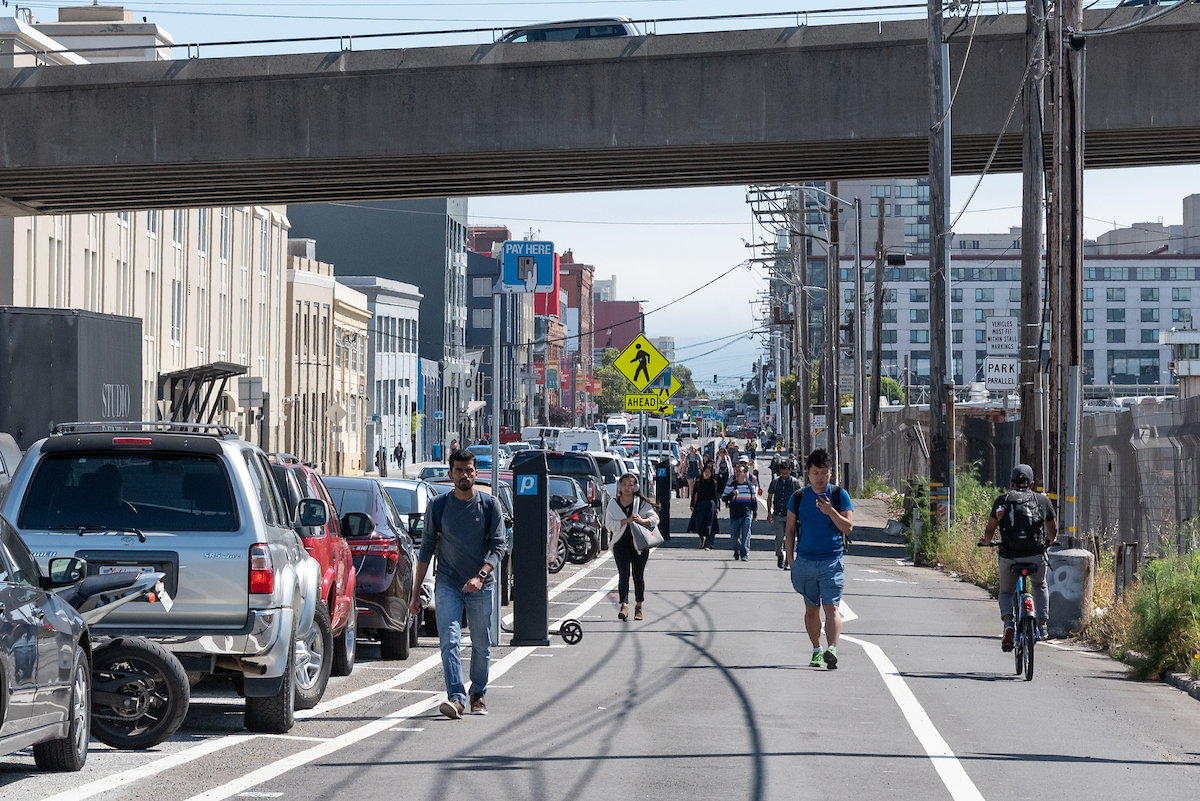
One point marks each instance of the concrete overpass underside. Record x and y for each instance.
(807, 103)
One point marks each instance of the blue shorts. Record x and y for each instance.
(819, 581)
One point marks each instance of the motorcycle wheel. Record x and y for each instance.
(578, 546)
(140, 693)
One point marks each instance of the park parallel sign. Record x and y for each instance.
(641, 363)
(1002, 372)
(648, 402)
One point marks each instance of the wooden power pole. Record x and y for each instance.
(877, 322)
(1033, 170)
(833, 337)
(941, 438)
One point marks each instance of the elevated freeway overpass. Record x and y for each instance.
(803, 103)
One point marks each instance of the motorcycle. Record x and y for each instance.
(580, 533)
(140, 693)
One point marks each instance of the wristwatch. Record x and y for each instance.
(483, 575)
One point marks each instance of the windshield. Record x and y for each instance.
(610, 470)
(481, 450)
(563, 492)
(347, 501)
(405, 500)
(148, 491)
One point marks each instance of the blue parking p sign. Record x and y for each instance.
(528, 266)
(527, 485)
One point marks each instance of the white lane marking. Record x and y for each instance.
(415, 692)
(402, 728)
(298, 737)
(385, 723)
(261, 795)
(847, 612)
(949, 769)
(566, 583)
(403, 677)
(132, 775)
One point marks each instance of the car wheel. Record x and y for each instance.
(276, 714)
(394, 644)
(560, 556)
(505, 582)
(70, 753)
(346, 646)
(313, 663)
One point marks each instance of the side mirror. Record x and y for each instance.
(66, 570)
(312, 512)
(357, 524)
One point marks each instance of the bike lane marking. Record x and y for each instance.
(948, 768)
(192, 753)
(379, 725)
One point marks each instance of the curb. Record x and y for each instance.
(1180, 681)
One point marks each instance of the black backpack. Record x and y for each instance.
(1022, 532)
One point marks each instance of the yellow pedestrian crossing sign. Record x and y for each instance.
(666, 393)
(641, 362)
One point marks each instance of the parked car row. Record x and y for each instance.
(257, 570)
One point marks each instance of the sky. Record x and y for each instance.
(660, 245)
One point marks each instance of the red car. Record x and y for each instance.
(329, 648)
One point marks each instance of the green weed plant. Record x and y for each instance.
(1166, 614)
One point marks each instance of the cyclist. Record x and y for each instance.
(1025, 519)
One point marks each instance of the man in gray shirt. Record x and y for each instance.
(465, 529)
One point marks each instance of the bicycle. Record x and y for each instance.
(1025, 631)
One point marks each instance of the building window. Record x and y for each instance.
(1149, 294)
(918, 296)
(889, 316)
(980, 335)
(1089, 335)
(1115, 315)
(1150, 315)
(956, 315)
(920, 335)
(1089, 294)
(985, 295)
(881, 190)
(918, 315)
(1116, 335)
(1181, 315)
(481, 318)
(481, 287)
(887, 209)
(888, 337)
(889, 296)
(1133, 366)
(1089, 315)
(1115, 294)
(848, 294)
(956, 336)
(1150, 335)
(1014, 295)
(956, 296)
(1181, 294)
(983, 314)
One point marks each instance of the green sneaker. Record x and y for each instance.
(818, 660)
(831, 659)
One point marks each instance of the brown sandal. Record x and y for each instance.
(624, 613)
(637, 612)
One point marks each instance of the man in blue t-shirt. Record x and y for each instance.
(819, 518)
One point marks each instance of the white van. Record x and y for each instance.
(617, 426)
(689, 428)
(545, 437)
(582, 439)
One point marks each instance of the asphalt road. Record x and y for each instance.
(710, 697)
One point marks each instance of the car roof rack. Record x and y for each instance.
(150, 426)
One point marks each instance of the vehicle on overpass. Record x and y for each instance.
(574, 30)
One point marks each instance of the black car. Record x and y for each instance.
(579, 465)
(383, 562)
(45, 666)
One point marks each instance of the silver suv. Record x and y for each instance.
(198, 504)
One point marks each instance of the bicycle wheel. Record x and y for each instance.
(1027, 640)
(1019, 648)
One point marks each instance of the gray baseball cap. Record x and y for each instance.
(1022, 471)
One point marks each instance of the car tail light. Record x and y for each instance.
(376, 546)
(591, 490)
(262, 570)
(132, 441)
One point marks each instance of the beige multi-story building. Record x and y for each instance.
(207, 283)
(351, 321)
(308, 371)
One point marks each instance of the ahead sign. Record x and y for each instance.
(1002, 372)
(642, 403)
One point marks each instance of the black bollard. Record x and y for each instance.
(531, 505)
(662, 494)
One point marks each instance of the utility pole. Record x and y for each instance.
(860, 325)
(833, 336)
(940, 437)
(877, 323)
(1033, 170)
(804, 349)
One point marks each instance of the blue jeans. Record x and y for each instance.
(739, 530)
(450, 602)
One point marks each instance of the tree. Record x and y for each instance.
(560, 416)
(892, 390)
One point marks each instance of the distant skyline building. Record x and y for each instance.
(665, 345)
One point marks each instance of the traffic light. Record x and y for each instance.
(714, 378)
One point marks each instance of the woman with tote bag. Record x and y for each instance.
(634, 520)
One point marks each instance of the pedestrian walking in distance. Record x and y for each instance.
(1025, 519)
(398, 454)
(628, 508)
(704, 508)
(743, 511)
(780, 491)
(819, 518)
(693, 469)
(465, 530)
